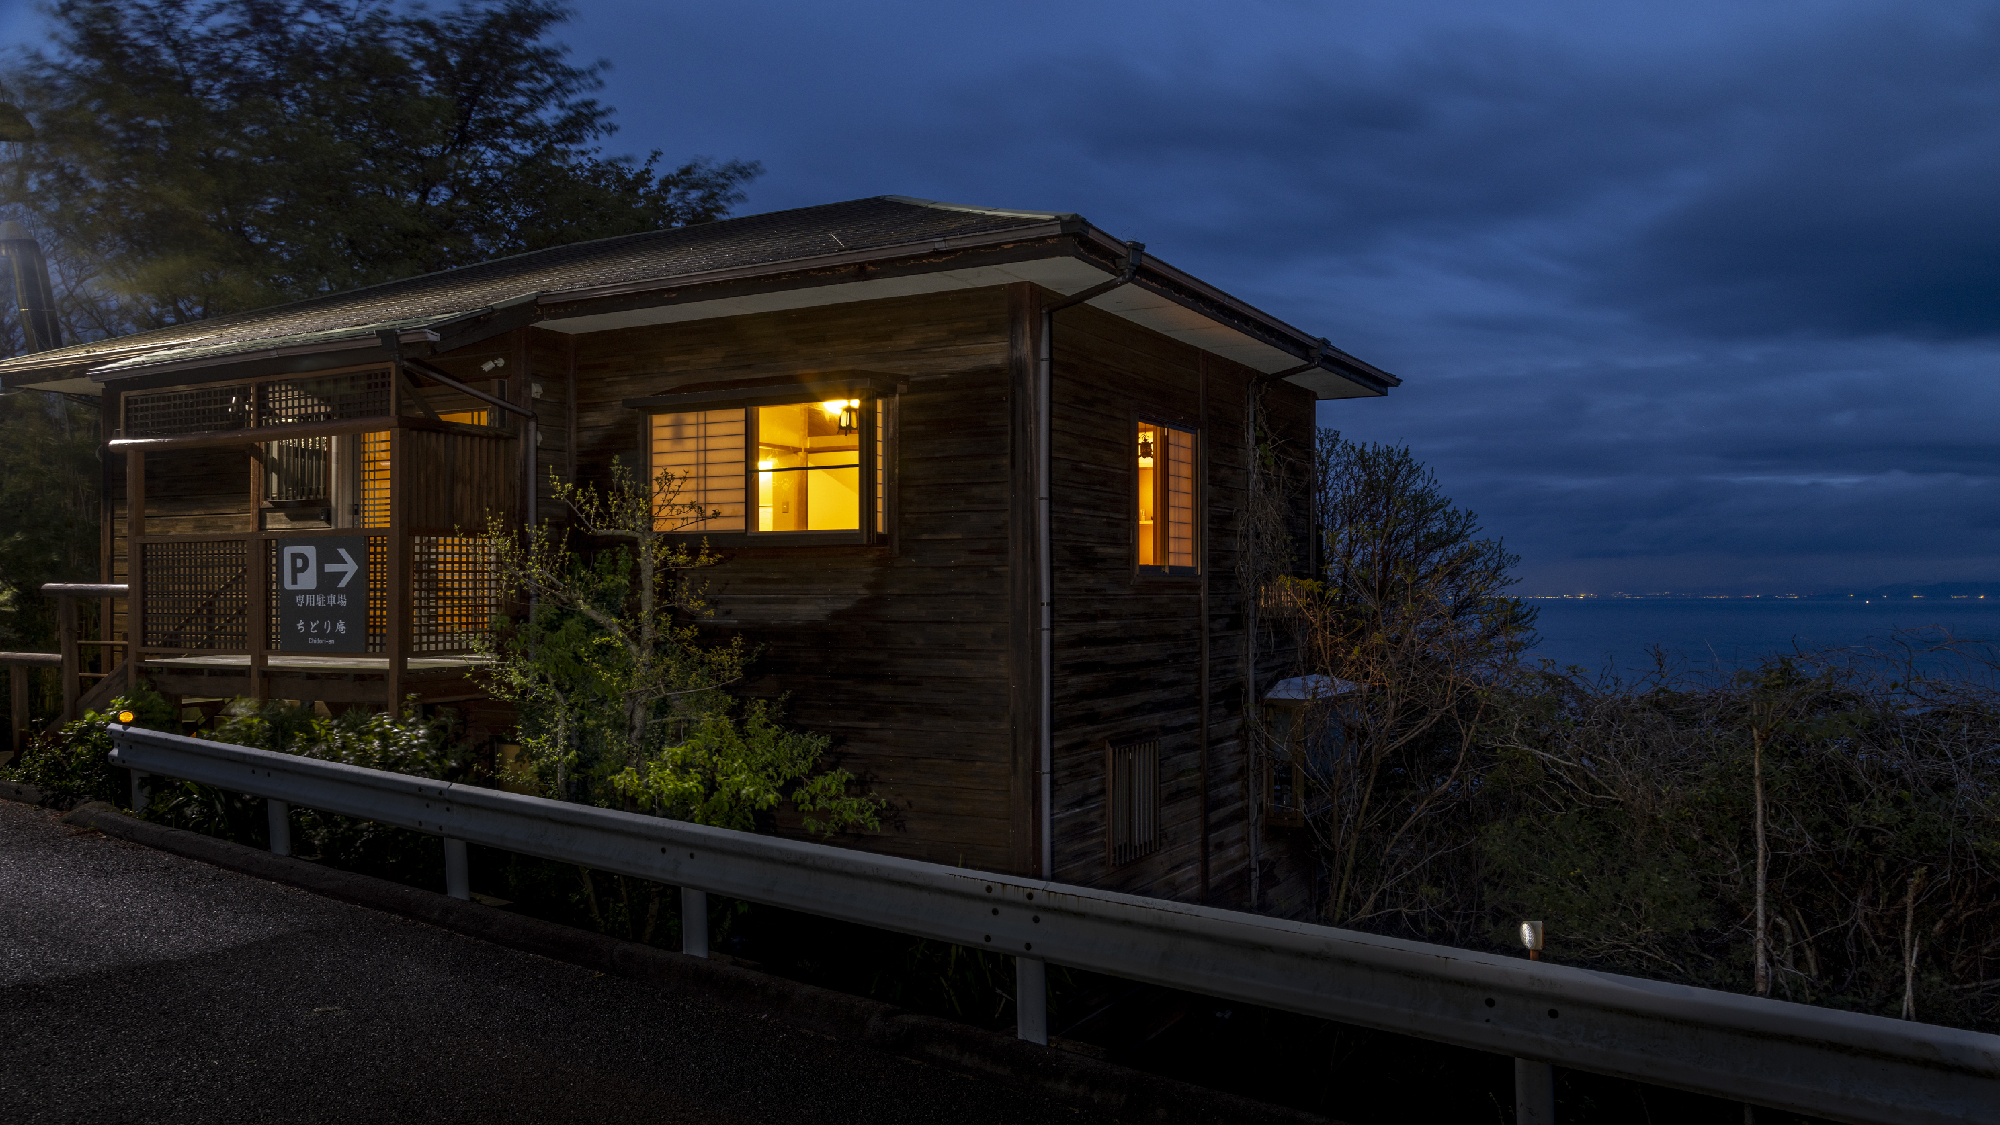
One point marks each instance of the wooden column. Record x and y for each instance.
(135, 565)
(107, 409)
(398, 640)
(1203, 560)
(17, 726)
(72, 680)
(257, 572)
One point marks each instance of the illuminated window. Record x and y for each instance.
(1167, 503)
(809, 466)
(792, 468)
(703, 449)
(374, 480)
(468, 417)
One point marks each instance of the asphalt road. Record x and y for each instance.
(141, 986)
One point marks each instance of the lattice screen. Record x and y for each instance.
(1132, 800)
(198, 411)
(454, 592)
(196, 595)
(328, 398)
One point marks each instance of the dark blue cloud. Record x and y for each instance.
(1693, 295)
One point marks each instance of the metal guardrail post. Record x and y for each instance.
(140, 792)
(457, 880)
(1534, 1082)
(1534, 1093)
(280, 815)
(694, 922)
(1031, 1000)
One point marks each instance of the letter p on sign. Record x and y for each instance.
(301, 568)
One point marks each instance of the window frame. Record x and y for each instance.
(877, 412)
(1150, 572)
(866, 501)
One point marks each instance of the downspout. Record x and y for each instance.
(1045, 565)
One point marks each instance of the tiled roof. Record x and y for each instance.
(750, 241)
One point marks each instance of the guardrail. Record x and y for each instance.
(1841, 1065)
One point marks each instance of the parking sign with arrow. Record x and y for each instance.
(323, 594)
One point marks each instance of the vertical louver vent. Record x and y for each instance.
(1132, 798)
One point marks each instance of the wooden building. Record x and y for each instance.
(982, 480)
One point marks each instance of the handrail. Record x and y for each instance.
(1819, 1061)
(86, 589)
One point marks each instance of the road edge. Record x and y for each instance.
(1122, 1092)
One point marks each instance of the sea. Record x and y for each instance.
(1719, 634)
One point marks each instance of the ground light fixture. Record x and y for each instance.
(1531, 938)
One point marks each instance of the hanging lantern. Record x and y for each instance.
(846, 412)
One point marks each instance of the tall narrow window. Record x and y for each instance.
(703, 449)
(1132, 800)
(809, 466)
(374, 498)
(881, 465)
(1166, 531)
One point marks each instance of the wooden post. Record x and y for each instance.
(107, 410)
(257, 567)
(398, 640)
(17, 683)
(135, 565)
(1201, 486)
(72, 681)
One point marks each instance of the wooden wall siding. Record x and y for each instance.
(899, 651)
(196, 491)
(456, 481)
(1128, 647)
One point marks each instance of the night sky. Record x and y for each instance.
(1700, 297)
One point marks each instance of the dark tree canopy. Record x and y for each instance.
(1397, 552)
(199, 157)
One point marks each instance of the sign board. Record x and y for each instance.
(323, 594)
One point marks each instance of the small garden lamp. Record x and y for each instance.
(1531, 937)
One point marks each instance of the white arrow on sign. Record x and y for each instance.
(350, 566)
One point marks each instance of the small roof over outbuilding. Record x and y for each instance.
(1305, 689)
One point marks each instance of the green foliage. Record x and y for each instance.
(200, 157)
(726, 771)
(373, 740)
(69, 766)
(48, 488)
(1624, 816)
(620, 701)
